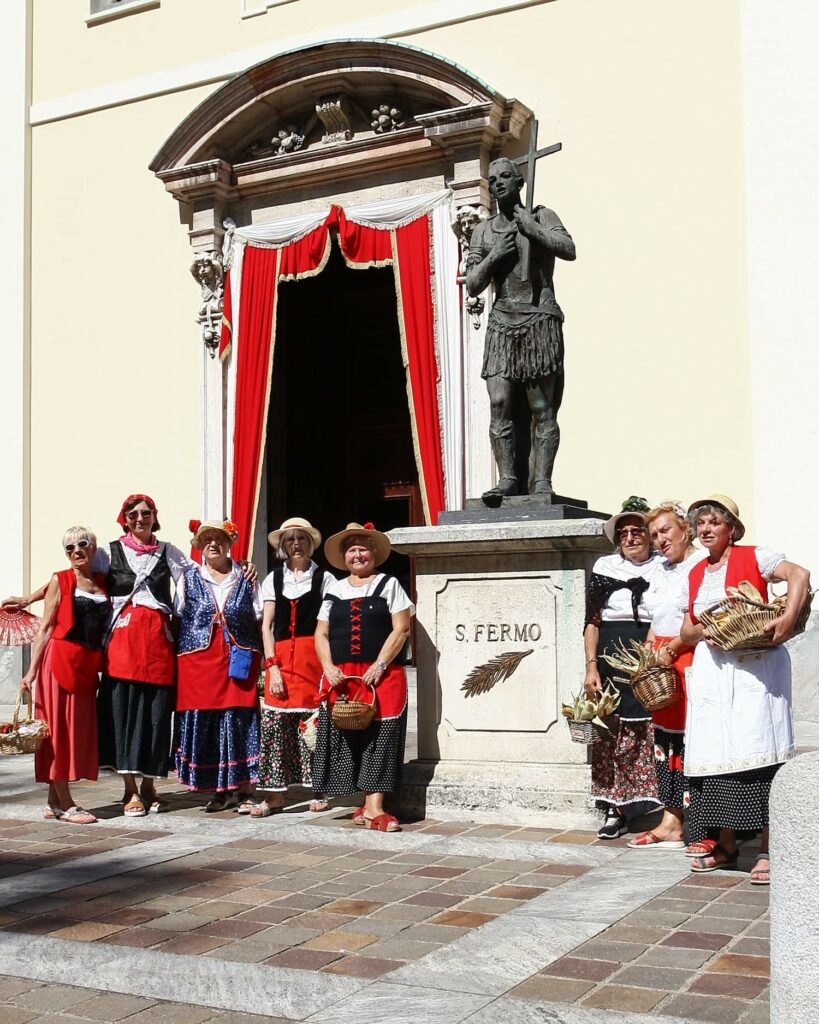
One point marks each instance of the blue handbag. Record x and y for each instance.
(240, 661)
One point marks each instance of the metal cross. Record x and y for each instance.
(528, 162)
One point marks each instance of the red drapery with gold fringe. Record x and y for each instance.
(407, 249)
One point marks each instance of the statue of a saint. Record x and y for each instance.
(523, 357)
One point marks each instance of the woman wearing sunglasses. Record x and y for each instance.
(135, 699)
(65, 660)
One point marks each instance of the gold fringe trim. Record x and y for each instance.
(304, 274)
(402, 330)
(263, 433)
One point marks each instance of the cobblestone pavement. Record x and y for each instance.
(186, 917)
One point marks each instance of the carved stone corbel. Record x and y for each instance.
(208, 270)
(464, 221)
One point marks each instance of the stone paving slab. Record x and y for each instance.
(307, 916)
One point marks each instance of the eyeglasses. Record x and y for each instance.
(634, 531)
(133, 516)
(81, 545)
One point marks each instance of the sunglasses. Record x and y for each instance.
(81, 545)
(133, 516)
(636, 531)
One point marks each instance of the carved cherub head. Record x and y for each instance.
(207, 269)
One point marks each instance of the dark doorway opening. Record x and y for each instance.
(339, 444)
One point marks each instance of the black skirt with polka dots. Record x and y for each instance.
(738, 801)
(346, 761)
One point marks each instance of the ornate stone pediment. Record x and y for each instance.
(327, 116)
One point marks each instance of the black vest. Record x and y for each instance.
(121, 577)
(359, 626)
(307, 607)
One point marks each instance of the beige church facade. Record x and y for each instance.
(135, 129)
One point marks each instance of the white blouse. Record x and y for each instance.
(619, 607)
(712, 589)
(220, 590)
(668, 596)
(393, 593)
(292, 587)
(177, 563)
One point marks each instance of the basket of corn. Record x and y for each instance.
(738, 622)
(656, 686)
(587, 714)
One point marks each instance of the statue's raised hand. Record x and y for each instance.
(506, 245)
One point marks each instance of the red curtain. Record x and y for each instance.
(253, 371)
(409, 247)
(413, 276)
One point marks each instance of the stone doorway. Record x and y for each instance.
(339, 442)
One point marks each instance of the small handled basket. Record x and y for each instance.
(581, 732)
(352, 714)
(25, 737)
(657, 688)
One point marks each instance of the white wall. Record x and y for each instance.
(780, 44)
(14, 289)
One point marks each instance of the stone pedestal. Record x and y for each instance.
(485, 590)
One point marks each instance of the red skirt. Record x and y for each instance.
(301, 674)
(141, 647)
(672, 719)
(390, 694)
(203, 683)
(69, 753)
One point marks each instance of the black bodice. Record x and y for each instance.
(121, 577)
(359, 626)
(306, 607)
(90, 622)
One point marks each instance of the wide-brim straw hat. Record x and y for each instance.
(633, 507)
(294, 523)
(724, 502)
(333, 546)
(224, 526)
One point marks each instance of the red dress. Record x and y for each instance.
(65, 696)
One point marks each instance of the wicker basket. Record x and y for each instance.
(352, 714)
(737, 623)
(581, 732)
(23, 737)
(657, 688)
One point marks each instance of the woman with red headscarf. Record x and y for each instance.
(135, 699)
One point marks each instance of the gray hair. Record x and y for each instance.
(288, 535)
(75, 533)
(715, 510)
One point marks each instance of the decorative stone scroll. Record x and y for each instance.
(285, 140)
(332, 112)
(208, 270)
(464, 221)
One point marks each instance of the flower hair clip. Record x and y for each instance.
(231, 529)
(672, 505)
(194, 524)
(368, 526)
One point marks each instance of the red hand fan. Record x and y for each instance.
(17, 628)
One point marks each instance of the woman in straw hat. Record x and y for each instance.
(672, 536)
(65, 661)
(624, 779)
(292, 595)
(739, 728)
(218, 661)
(362, 628)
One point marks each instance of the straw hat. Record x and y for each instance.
(724, 502)
(334, 552)
(225, 526)
(634, 508)
(294, 523)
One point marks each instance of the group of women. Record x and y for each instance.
(713, 754)
(181, 641)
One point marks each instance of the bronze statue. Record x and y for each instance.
(523, 357)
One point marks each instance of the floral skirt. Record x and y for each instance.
(284, 760)
(217, 750)
(669, 756)
(623, 771)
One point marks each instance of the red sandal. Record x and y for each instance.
(383, 823)
(359, 817)
(702, 848)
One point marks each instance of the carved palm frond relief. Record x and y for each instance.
(483, 677)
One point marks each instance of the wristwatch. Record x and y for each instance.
(382, 665)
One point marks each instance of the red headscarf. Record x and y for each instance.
(134, 499)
